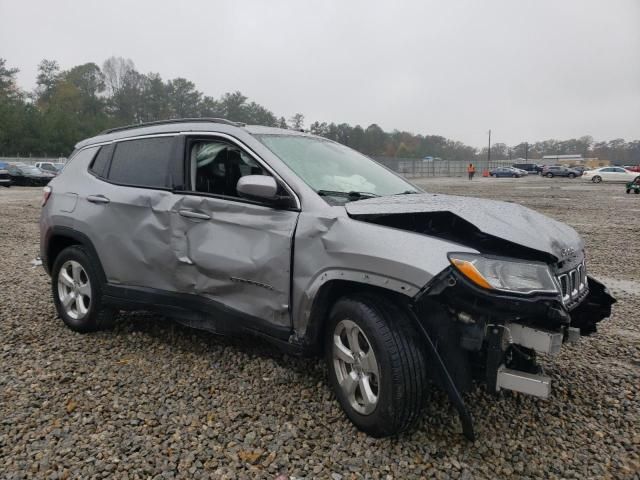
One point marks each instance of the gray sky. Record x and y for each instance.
(529, 70)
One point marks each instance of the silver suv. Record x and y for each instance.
(320, 250)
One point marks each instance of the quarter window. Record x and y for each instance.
(149, 162)
(101, 162)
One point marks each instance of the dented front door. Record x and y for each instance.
(236, 253)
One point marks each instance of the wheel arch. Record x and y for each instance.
(327, 295)
(60, 238)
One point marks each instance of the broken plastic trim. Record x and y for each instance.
(452, 391)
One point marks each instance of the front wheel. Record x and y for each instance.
(77, 291)
(571, 175)
(549, 175)
(596, 179)
(628, 190)
(376, 364)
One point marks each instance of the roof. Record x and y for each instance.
(183, 125)
(174, 120)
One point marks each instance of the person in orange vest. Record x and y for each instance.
(471, 170)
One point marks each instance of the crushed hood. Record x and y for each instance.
(502, 220)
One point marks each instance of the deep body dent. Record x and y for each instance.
(334, 247)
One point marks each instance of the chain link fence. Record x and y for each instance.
(32, 160)
(416, 167)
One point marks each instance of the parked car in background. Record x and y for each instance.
(528, 167)
(632, 168)
(288, 236)
(634, 186)
(28, 175)
(50, 167)
(579, 168)
(507, 172)
(5, 178)
(551, 171)
(610, 174)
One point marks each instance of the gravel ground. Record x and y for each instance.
(155, 400)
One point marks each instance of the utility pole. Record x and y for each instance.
(526, 151)
(489, 151)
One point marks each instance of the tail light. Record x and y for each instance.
(46, 193)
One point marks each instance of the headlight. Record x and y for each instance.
(505, 274)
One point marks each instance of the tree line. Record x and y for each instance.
(69, 105)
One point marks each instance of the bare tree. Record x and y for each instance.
(116, 70)
(297, 121)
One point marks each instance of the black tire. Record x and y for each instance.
(628, 190)
(549, 175)
(494, 175)
(97, 316)
(596, 179)
(571, 175)
(636, 191)
(402, 368)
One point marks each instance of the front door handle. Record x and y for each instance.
(98, 199)
(192, 214)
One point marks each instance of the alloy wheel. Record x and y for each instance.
(74, 290)
(356, 367)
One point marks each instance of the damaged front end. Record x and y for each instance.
(488, 315)
(491, 336)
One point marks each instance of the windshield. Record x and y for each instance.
(31, 170)
(334, 170)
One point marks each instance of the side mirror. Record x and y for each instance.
(258, 187)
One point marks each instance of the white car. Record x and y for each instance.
(609, 174)
(50, 167)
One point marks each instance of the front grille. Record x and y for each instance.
(573, 285)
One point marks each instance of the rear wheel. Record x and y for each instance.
(77, 291)
(376, 366)
(596, 179)
(549, 175)
(571, 175)
(628, 190)
(515, 175)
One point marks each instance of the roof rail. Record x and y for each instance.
(174, 120)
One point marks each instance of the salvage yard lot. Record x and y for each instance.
(155, 400)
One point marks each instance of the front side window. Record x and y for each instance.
(149, 162)
(334, 170)
(216, 166)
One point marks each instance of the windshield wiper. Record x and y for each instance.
(407, 192)
(352, 195)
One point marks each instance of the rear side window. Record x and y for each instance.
(150, 162)
(101, 162)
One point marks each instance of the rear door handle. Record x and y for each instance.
(98, 199)
(192, 214)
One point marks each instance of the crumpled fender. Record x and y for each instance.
(338, 247)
